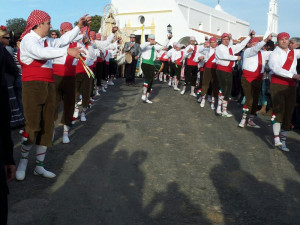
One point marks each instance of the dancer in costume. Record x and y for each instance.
(64, 70)
(225, 59)
(177, 59)
(172, 65)
(210, 75)
(191, 69)
(83, 82)
(253, 70)
(164, 59)
(35, 56)
(149, 49)
(283, 63)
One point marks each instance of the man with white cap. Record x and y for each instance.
(177, 59)
(253, 69)
(35, 56)
(149, 49)
(191, 69)
(283, 63)
(172, 65)
(225, 59)
(132, 48)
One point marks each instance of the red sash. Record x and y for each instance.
(287, 66)
(79, 67)
(162, 58)
(256, 75)
(179, 61)
(67, 69)
(35, 71)
(209, 63)
(190, 61)
(228, 68)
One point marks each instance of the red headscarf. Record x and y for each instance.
(224, 35)
(213, 39)
(283, 35)
(66, 26)
(36, 17)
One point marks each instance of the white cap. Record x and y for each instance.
(192, 38)
(151, 36)
(178, 45)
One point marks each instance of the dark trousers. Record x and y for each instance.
(3, 209)
(130, 71)
(191, 74)
(65, 92)
(210, 77)
(252, 91)
(225, 83)
(39, 110)
(148, 71)
(112, 67)
(99, 72)
(83, 87)
(284, 100)
(177, 71)
(165, 67)
(105, 71)
(172, 69)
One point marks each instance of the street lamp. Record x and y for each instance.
(169, 29)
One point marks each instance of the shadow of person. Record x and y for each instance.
(245, 200)
(293, 156)
(174, 207)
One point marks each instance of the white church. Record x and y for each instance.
(187, 18)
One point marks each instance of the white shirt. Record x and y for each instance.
(223, 57)
(278, 58)
(62, 60)
(250, 60)
(208, 53)
(32, 47)
(90, 54)
(170, 52)
(177, 55)
(161, 53)
(102, 45)
(199, 49)
(147, 49)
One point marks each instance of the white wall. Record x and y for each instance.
(185, 14)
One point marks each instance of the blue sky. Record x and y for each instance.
(252, 11)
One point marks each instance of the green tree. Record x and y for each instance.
(95, 24)
(17, 25)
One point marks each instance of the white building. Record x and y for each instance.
(273, 17)
(187, 18)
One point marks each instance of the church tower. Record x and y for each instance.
(273, 17)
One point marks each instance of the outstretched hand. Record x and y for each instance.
(252, 33)
(268, 38)
(75, 52)
(84, 21)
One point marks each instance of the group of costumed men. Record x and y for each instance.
(217, 62)
(55, 70)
